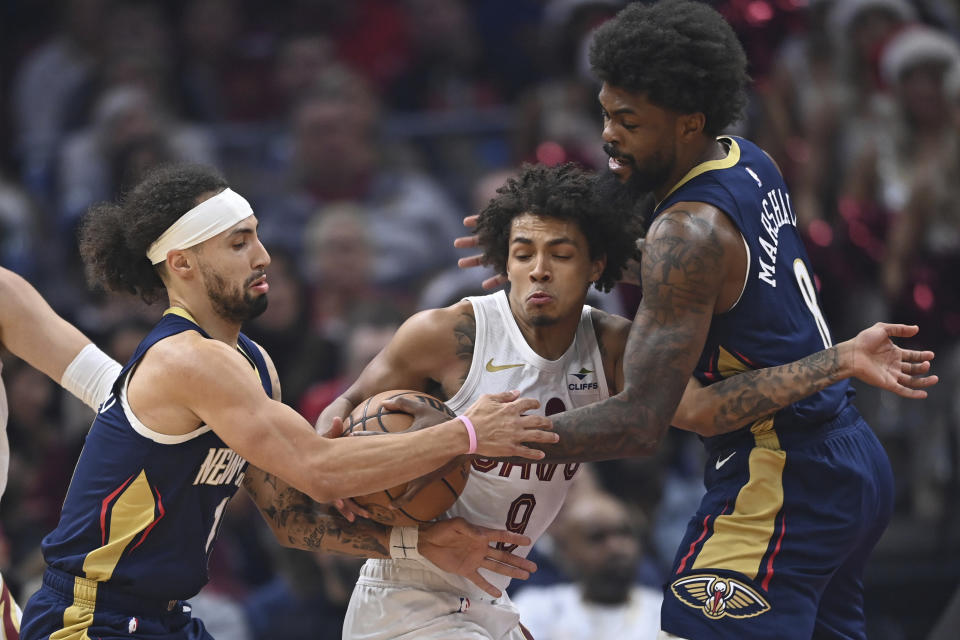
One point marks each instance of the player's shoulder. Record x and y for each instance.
(188, 355)
(437, 321)
(689, 220)
(612, 332)
(609, 323)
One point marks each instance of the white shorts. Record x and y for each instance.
(401, 600)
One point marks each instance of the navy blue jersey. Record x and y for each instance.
(777, 318)
(143, 508)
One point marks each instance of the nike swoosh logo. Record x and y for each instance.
(720, 463)
(493, 368)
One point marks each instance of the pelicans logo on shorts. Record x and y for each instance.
(719, 596)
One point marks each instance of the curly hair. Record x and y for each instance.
(568, 193)
(114, 237)
(681, 54)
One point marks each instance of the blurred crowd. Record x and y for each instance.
(362, 132)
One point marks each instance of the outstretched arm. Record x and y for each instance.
(34, 332)
(871, 356)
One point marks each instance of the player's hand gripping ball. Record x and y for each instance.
(437, 495)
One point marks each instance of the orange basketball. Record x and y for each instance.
(436, 497)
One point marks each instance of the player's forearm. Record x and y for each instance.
(633, 422)
(683, 267)
(33, 331)
(752, 395)
(299, 522)
(327, 469)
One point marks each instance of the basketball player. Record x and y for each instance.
(32, 331)
(169, 445)
(553, 237)
(795, 501)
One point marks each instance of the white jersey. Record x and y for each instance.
(4, 411)
(524, 498)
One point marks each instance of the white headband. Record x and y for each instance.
(204, 221)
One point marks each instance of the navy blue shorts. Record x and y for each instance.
(778, 546)
(76, 609)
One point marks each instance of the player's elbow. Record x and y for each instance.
(698, 419)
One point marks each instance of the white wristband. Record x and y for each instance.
(403, 543)
(90, 376)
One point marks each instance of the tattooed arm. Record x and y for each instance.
(871, 356)
(453, 545)
(692, 255)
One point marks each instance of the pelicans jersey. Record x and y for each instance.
(519, 497)
(777, 318)
(143, 508)
(795, 502)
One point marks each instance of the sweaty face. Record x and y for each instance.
(549, 269)
(638, 137)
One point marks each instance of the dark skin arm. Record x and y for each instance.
(871, 356)
(692, 265)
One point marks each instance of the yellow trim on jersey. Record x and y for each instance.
(183, 313)
(728, 364)
(132, 512)
(740, 539)
(733, 157)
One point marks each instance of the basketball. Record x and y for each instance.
(437, 496)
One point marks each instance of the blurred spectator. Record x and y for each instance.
(302, 59)
(914, 174)
(559, 118)
(446, 69)
(129, 130)
(41, 459)
(340, 263)
(599, 547)
(307, 600)
(370, 329)
(225, 72)
(20, 224)
(45, 81)
(336, 155)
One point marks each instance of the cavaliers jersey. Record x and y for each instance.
(4, 411)
(523, 498)
(777, 318)
(143, 508)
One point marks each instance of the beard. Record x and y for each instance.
(234, 304)
(644, 179)
(629, 196)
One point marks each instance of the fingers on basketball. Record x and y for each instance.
(434, 498)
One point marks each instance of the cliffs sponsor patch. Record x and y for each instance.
(582, 384)
(718, 596)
